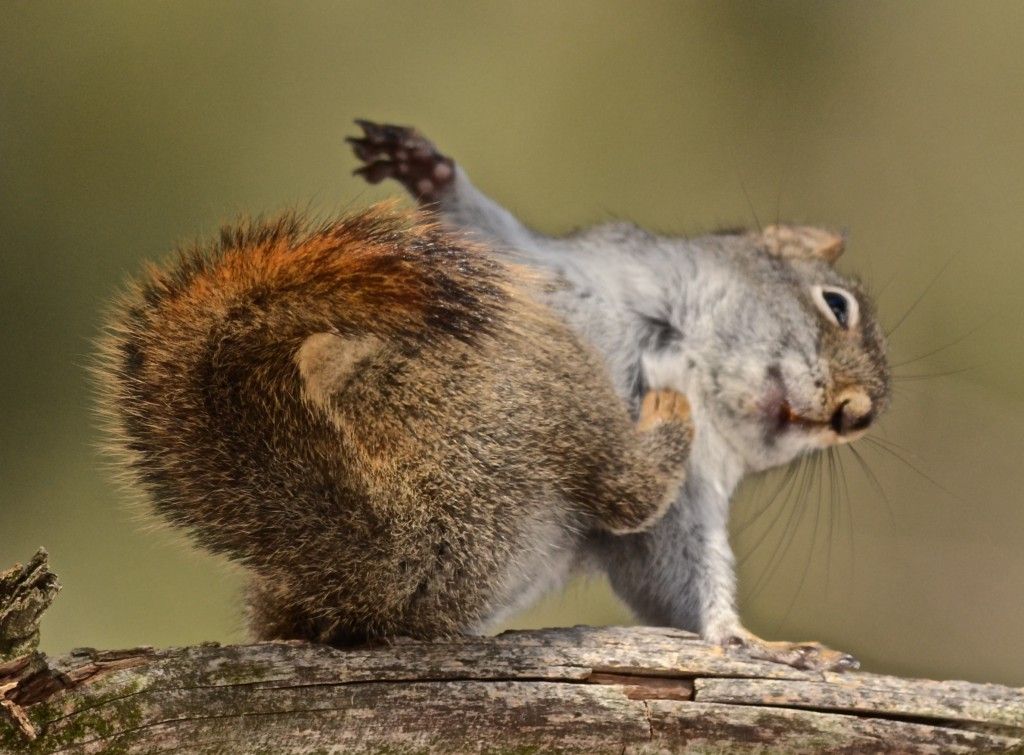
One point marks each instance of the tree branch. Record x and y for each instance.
(584, 689)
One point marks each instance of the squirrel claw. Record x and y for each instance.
(808, 656)
(402, 153)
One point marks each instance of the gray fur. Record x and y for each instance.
(730, 321)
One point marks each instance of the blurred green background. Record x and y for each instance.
(126, 127)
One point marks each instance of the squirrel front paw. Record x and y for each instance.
(404, 154)
(810, 656)
(666, 425)
(663, 406)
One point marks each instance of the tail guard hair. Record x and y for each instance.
(199, 377)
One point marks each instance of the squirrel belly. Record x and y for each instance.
(379, 420)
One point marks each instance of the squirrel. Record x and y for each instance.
(778, 353)
(382, 420)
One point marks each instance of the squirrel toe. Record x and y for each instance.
(402, 153)
(663, 406)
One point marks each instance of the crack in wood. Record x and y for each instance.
(922, 720)
(15, 714)
(640, 687)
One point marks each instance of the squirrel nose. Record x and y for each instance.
(854, 412)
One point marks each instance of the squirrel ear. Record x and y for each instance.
(802, 242)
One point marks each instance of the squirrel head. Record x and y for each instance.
(779, 352)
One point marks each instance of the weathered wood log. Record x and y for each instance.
(25, 593)
(585, 689)
(577, 690)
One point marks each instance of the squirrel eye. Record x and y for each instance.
(838, 305)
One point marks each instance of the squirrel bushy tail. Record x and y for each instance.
(199, 369)
(373, 417)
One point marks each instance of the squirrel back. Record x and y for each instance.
(378, 419)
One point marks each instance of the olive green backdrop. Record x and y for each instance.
(125, 127)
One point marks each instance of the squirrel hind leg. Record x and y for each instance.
(327, 363)
(273, 613)
(276, 612)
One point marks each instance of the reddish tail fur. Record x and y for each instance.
(200, 380)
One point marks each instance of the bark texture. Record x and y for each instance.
(25, 592)
(584, 689)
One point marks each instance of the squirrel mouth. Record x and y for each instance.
(779, 412)
(842, 426)
(786, 417)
